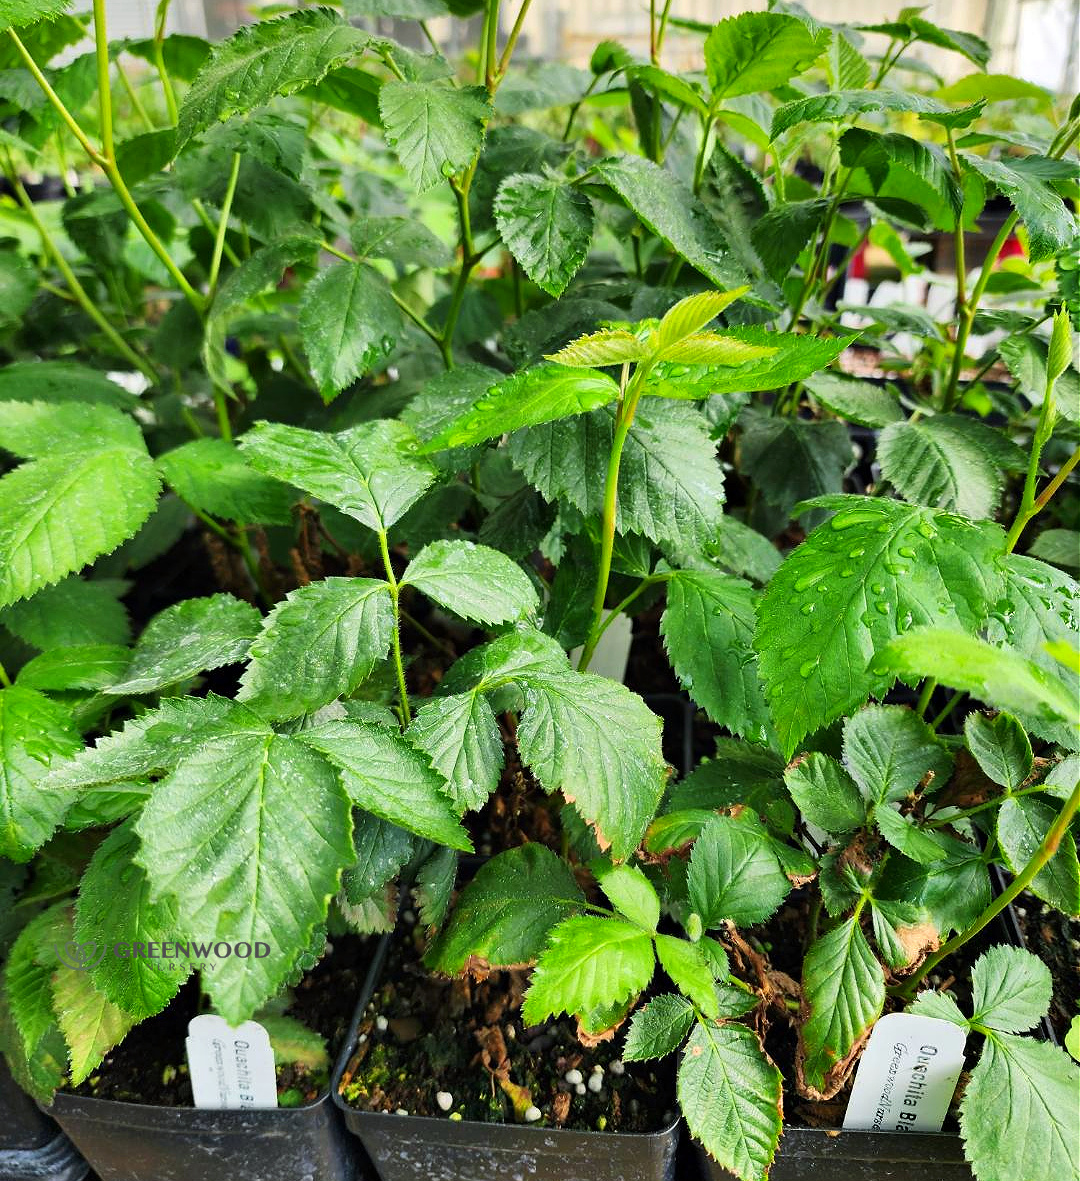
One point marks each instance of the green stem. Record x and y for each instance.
(620, 609)
(952, 393)
(1026, 513)
(223, 226)
(417, 319)
(58, 104)
(996, 802)
(661, 32)
(491, 41)
(399, 665)
(1042, 855)
(627, 406)
(950, 705)
(1043, 429)
(5, 680)
(221, 405)
(160, 20)
(511, 41)
(961, 265)
(77, 290)
(575, 107)
(702, 155)
(133, 95)
(929, 685)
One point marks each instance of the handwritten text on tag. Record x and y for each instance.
(907, 1075)
(230, 1067)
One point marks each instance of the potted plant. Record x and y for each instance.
(404, 479)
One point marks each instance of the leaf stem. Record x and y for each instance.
(1020, 883)
(160, 19)
(961, 265)
(1026, 514)
(929, 685)
(223, 226)
(624, 417)
(399, 665)
(5, 680)
(511, 41)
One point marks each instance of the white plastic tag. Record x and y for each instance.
(907, 1075)
(230, 1067)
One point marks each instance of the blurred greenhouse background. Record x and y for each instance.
(1033, 39)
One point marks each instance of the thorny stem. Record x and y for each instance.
(391, 578)
(1042, 855)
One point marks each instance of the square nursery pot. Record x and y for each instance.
(829, 1154)
(420, 1148)
(137, 1142)
(32, 1147)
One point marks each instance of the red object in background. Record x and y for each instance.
(857, 268)
(1011, 249)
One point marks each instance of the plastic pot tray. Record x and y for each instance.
(420, 1148)
(137, 1142)
(32, 1147)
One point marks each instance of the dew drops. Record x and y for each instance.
(807, 667)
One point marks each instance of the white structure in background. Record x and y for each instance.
(1034, 39)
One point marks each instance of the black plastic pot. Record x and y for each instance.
(411, 1148)
(136, 1142)
(31, 1145)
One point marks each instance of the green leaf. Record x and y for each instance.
(1001, 748)
(321, 642)
(690, 971)
(875, 569)
(744, 551)
(70, 613)
(387, 777)
(435, 884)
(899, 166)
(547, 226)
(599, 744)
(708, 630)
(670, 485)
(1039, 609)
(20, 14)
(60, 381)
(936, 462)
(1059, 546)
(994, 88)
(91, 1024)
(757, 51)
(473, 581)
(186, 638)
(735, 197)
(294, 1044)
(347, 323)
(909, 26)
(1025, 357)
(996, 675)
(588, 962)
(34, 734)
(710, 348)
(939, 1005)
(1022, 825)
(382, 849)
(249, 835)
(600, 349)
(730, 1094)
(825, 794)
(527, 399)
(734, 874)
(213, 476)
(400, 239)
(796, 356)
(658, 1028)
(630, 892)
(845, 990)
(518, 654)
(837, 105)
(1050, 225)
(791, 459)
(691, 314)
(903, 834)
(370, 472)
(667, 208)
(114, 907)
(84, 666)
(1011, 990)
(92, 488)
(890, 751)
(1019, 1108)
(27, 977)
(264, 60)
(846, 66)
(782, 234)
(435, 131)
(460, 736)
(504, 915)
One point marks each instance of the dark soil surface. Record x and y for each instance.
(149, 1066)
(1055, 938)
(422, 1035)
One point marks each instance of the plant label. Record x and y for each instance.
(230, 1067)
(907, 1075)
